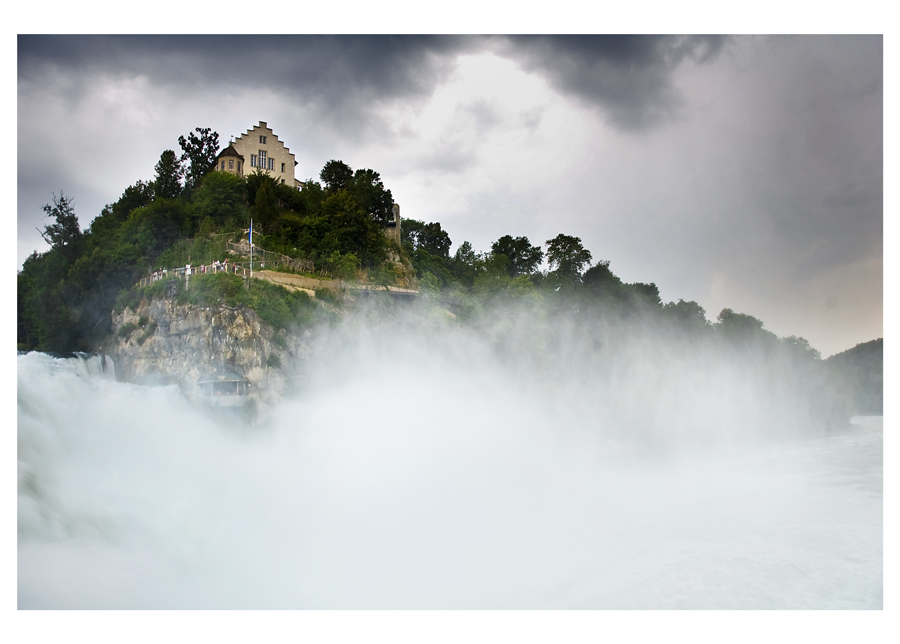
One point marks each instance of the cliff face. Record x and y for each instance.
(165, 343)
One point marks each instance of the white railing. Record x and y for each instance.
(270, 258)
(187, 271)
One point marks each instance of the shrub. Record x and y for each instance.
(156, 289)
(327, 295)
(278, 306)
(127, 329)
(127, 298)
(214, 289)
(150, 330)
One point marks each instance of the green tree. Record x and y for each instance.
(105, 230)
(746, 331)
(336, 175)
(345, 227)
(45, 316)
(223, 197)
(522, 257)
(493, 275)
(644, 296)
(65, 233)
(428, 237)
(265, 207)
(800, 348)
(370, 193)
(428, 248)
(343, 267)
(435, 240)
(567, 258)
(153, 228)
(200, 150)
(463, 265)
(857, 375)
(138, 195)
(409, 232)
(167, 183)
(686, 314)
(738, 323)
(600, 282)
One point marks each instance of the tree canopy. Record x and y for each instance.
(65, 232)
(200, 151)
(336, 175)
(167, 182)
(522, 258)
(567, 258)
(377, 202)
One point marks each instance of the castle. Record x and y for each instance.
(264, 151)
(267, 153)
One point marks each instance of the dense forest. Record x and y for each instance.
(66, 294)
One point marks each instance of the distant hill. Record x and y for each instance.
(859, 374)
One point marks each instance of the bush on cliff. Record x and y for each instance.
(215, 289)
(274, 304)
(280, 307)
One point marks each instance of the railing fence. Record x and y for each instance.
(272, 259)
(184, 272)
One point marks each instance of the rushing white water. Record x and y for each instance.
(377, 488)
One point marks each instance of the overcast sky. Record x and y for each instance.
(740, 172)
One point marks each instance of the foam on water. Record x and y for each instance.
(379, 490)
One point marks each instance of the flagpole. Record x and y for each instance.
(251, 247)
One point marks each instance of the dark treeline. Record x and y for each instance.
(66, 294)
(861, 372)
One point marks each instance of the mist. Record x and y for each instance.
(512, 457)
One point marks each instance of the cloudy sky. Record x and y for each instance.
(741, 172)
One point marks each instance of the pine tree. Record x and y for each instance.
(167, 183)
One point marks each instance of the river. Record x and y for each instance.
(130, 497)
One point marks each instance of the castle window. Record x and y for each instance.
(223, 165)
(271, 164)
(252, 160)
(282, 169)
(262, 159)
(262, 140)
(231, 164)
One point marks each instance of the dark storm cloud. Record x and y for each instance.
(627, 77)
(395, 65)
(344, 77)
(339, 76)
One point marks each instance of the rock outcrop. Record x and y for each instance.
(165, 343)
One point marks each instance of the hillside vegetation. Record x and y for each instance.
(861, 373)
(188, 212)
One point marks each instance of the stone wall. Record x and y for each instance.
(393, 232)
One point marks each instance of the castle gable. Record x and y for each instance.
(262, 150)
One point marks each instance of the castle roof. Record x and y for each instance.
(230, 152)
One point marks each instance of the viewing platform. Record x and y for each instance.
(185, 272)
(291, 281)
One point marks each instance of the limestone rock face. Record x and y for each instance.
(165, 343)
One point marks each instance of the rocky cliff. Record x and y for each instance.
(161, 342)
